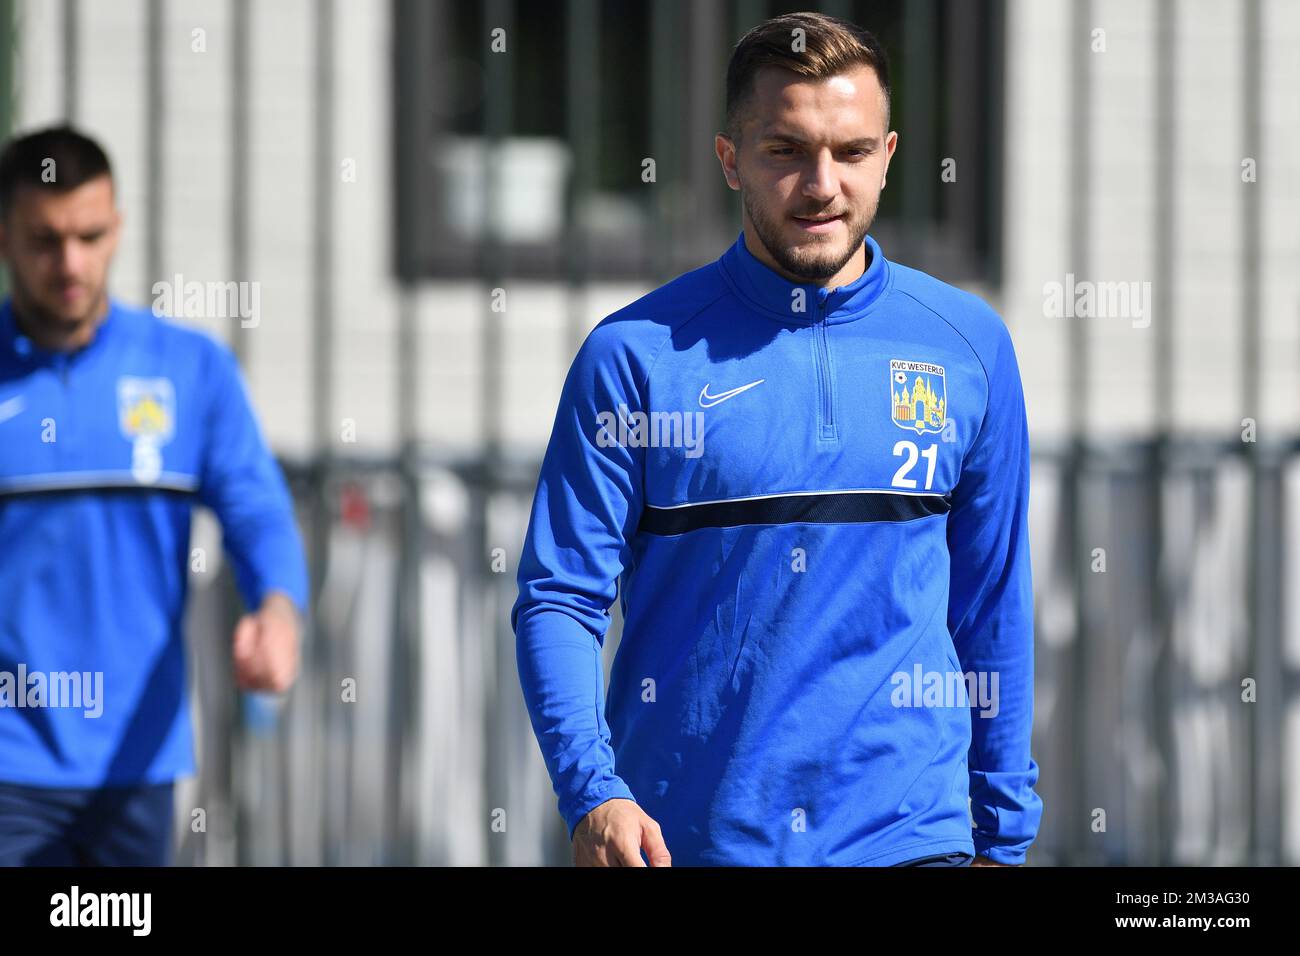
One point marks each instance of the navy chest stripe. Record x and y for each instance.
(95, 481)
(824, 507)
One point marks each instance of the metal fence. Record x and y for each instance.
(1143, 717)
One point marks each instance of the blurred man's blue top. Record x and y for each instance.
(103, 453)
(802, 588)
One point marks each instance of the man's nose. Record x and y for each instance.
(71, 257)
(822, 181)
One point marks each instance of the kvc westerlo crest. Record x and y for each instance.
(918, 396)
(146, 409)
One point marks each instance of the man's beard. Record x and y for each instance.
(40, 316)
(814, 260)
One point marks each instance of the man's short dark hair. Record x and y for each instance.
(830, 46)
(57, 158)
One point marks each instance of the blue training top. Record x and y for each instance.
(103, 453)
(813, 505)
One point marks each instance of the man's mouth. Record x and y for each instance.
(818, 223)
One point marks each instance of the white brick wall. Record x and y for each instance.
(1206, 311)
(1039, 141)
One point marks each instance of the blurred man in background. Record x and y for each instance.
(113, 423)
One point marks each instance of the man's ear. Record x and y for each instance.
(891, 143)
(117, 231)
(724, 147)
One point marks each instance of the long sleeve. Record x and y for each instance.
(242, 483)
(991, 612)
(587, 506)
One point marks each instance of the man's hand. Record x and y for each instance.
(615, 833)
(985, 861)
(265, 646)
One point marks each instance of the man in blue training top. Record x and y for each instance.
(113, 422)
(804, 472)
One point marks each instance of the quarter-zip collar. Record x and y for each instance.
(773, 294)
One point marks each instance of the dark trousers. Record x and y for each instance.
(109, 826)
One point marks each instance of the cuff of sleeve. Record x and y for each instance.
(997, 852)
(295, 591)
(590, 801)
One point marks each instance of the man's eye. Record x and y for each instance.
(782, 151)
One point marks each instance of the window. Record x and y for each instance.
(595, 129)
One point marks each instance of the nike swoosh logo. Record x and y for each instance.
(723, 396)
(11, 407)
